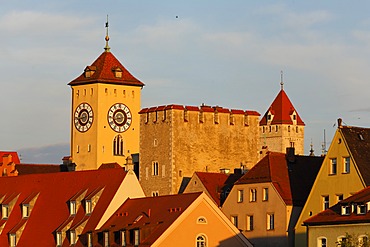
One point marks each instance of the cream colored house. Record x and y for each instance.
(350, 216)
(190, 219)
(266, 202)
(345, 170)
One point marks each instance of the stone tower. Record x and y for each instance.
(281, 126)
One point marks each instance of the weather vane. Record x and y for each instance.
(107, 48)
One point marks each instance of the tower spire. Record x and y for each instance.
(281, 80)
(107, 48)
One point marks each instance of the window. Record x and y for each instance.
(325, 202)
(72, 237)
(72, 207)
(88, 206)
(201, 241)
(201, 220)
(265, 194)
(361, 209)
(270, 221)
(12, 240)
(118, 145)
(163, 171)
(106, 239)
(123, 238)
(292, 144)
(155, 193)
(234, 220)
(346, 210)
(136, 237)
(249, 222)
(253, 195)
(155, 167)
(321, 242)
(4, 211)
(89, 240)
(342, 240)
(25, 210)
(59, 240)
(288, 128)
(346, 165)
(339, 197)
(333, 166)
(240, 195)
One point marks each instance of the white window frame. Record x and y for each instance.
(106, 239)
(333, 169)
(320, 242)
(58, 238)
(25, 210)
(123, 237)
(72, 207)
(72, 237)
(265, 194)
(253, 195)
(346, 164)
(12, 240)
(270, 221)
(240, 195)
(136, 237)
(234, 219)
(201, 240)
(89, 240)
(4, 211)
(346, 209)
(155, 168)
(88, 206)
(325, 203)
(361, 209)
(250, 222)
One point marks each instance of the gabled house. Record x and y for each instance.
(8, 161)
(54, 209)
(190, 219)
(266, 202)
(350, 216)
(216, 185)
(345, 170)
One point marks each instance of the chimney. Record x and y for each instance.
(290, 154)
(339, 123)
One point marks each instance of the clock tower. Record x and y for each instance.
(105, 120)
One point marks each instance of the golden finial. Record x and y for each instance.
(107, 48)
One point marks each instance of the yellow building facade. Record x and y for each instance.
(104, 115)
(341, 175)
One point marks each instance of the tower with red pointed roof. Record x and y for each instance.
(105, 105)
(281, 126)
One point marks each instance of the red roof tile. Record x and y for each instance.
(213, 182)
(292, 179)
(104, 67)
(51, 207)
(281, 108)
(12, 153)
(332, 215)
(157, 214)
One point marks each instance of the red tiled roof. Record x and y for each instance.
(281, 108)
(158, 213)
(358, 143)
(104, 66)
(292, 179)
(332, 215)
(213, 182)
(51, 207)
(26, 169)
(12, 153)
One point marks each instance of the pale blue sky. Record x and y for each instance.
(226, 53)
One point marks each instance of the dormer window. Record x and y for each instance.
(58, 237)
(117, 72)
(346, 210)
(72, 207)
(25, 210)
(361, 209)
(72, 237)
(269, 117)
(89, 71)
(12, 240)
(5, 211)
(88, 206)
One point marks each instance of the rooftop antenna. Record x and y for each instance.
(107, 48)
(281, 80)
(324, 145)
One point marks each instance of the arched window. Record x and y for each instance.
(118, 145)
(201, 241)
(321, 242)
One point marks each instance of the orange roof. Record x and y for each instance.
(103, 68)
(213, 182)
(12, 153)
(51, 207)
(292, 177)
(154, 215)
(282, 109)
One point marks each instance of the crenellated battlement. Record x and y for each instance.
(201, 114)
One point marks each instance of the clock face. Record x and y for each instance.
(119, 117)
(83, 117)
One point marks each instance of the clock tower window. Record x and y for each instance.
(118, 145)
